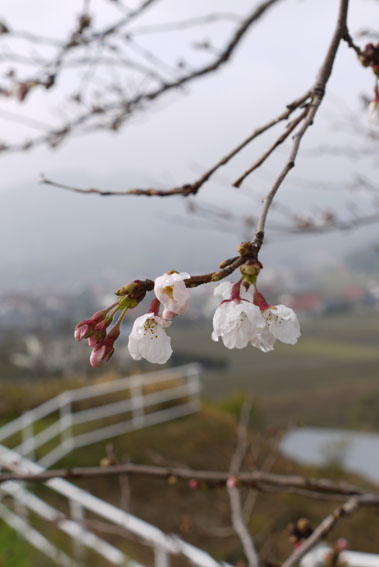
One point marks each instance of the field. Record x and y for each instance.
(330, 378)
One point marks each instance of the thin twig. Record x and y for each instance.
(238, 522)
(125, 107)
(321, 531)
(259, 480)
(189, 188)
(290, 128)
(317, 96)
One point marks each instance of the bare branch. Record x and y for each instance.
(257, 479)
(123, 107)
(240, 528)
(189, 188)
(317, 96)
(290, 128)
(321, 531)
(185, 24)
(238, 522)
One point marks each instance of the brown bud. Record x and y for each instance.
(3, 28)
(304, 526)
(245, 248)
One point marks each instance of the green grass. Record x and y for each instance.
(16, 552)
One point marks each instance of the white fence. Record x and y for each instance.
(142, 398)
(61, 425)
(163, 546)
(56, 424)
(319, 555)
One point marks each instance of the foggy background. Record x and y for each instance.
(52, 238)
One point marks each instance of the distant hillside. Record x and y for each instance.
(50, 237)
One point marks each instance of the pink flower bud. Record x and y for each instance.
(342, 544)
(104, 350)
(97, 317)
(194, 484)
(83, 330)
(96, 339)
(99, 334)
(97, 358)
(114, 334)
(232, 482)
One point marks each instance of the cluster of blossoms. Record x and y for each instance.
(243, 318)
(148, 338)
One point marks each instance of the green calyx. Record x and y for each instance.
(127, 303)
(250, 272)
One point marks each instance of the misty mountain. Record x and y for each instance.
(51, 237)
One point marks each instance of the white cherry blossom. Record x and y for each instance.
(283, 323)
(236, 322)
(224, 290)
(264, 340)
(172, 292)
(149, 340)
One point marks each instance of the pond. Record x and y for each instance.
(355, 452)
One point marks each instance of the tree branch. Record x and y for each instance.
(321, 531)
(318, 92)
(189, 188)
(238, 522)
(257, 479)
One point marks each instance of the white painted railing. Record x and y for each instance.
(163, 545)
(317, 558)
(142, 394)
(141, 397)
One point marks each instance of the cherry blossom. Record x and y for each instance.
(149, 340)
(236, 320)
(281, 321)
(264, 340)
(172, 292)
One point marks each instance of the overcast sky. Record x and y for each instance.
(170, 143)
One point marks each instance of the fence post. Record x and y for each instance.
(194, 385)
(65, 419)
(77, 513)
(161, 557)
(137, 401)
(27, 435)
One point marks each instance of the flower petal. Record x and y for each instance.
(283, 323)
(172, 292)
(149, 339)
